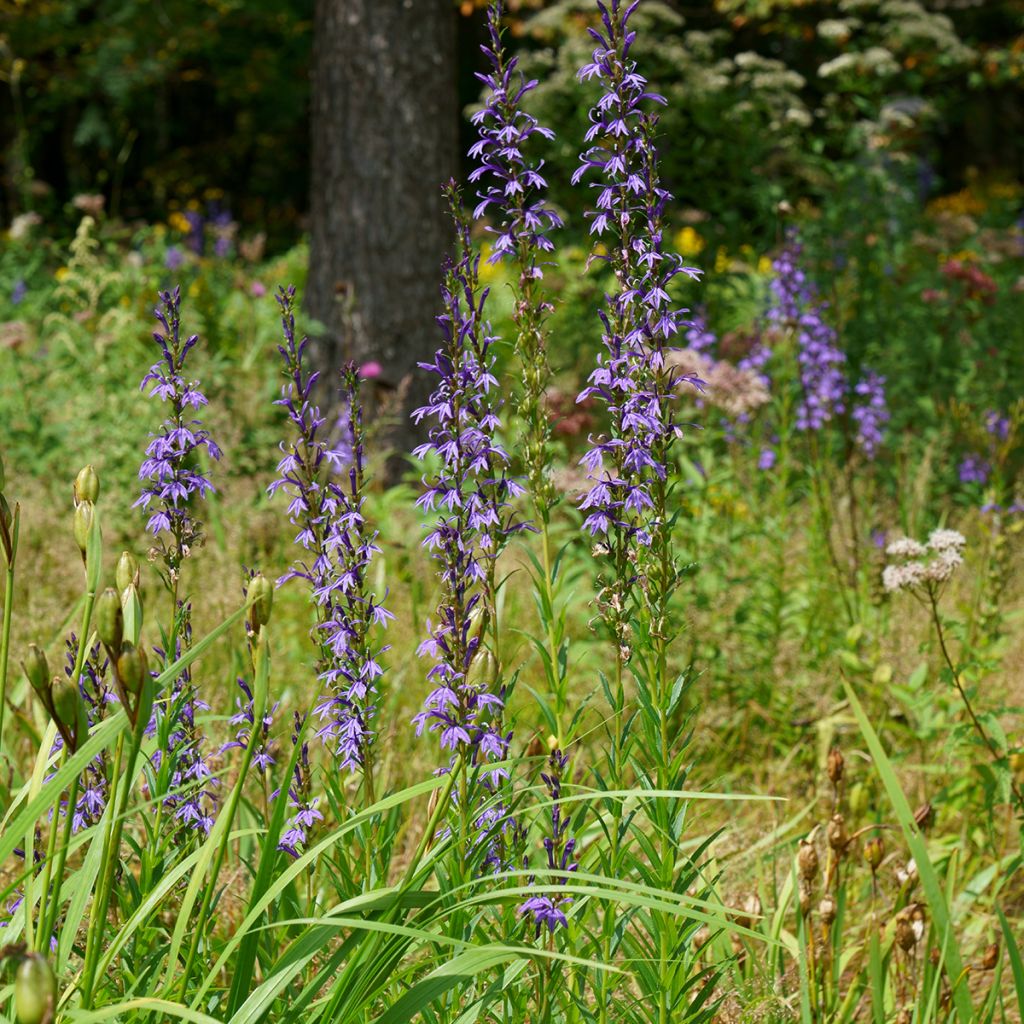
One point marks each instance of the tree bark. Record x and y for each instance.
(384, 138)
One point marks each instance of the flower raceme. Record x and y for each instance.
(170, 472)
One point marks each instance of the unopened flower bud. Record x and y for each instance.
(837, 834)
(36, 668)
(87, 486)
(836, 766)
(85, 513)
(66, 701)
(132, 668)
(827, 910)
(807, 861)
(261, 594)
(127, 571)
(874, 851)
(110, 619)
(35, 990)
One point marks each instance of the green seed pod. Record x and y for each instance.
(874, 852)
(87, 486)
(132, 667)
(127, 571)
(35, 990)
(66, 701)
(110, 619)
(85, 513)
(36, 668)
(261, 593)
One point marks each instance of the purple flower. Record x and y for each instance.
(974, 470)
(699, 336)
(18, 292)
(244, 718)
(766, 459)
(546, 909)
(997, 425)
(870, 412)
(324, 480)
(470, 492)
(173, 258)
(171, 464)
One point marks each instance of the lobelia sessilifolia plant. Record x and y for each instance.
(513, 207)
(629, 516)
(470, 489)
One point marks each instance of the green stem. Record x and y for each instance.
(5, 639)
(53, 902)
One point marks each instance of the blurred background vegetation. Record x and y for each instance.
(162, 105)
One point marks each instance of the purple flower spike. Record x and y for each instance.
(171, 467)
(546, 909)
(628, 466)
(870, 412)
(470, 493)
(513, 192)
(324, 480)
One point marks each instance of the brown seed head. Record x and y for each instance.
(836, 766)
(807, 861)
(827, 909)
(838, 838)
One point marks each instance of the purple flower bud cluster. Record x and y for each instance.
(640, 319)
(547, 909)
(870, 412)
(171, 457)
(324, 481)
(513, 183)
(974, 470)
(471, 491)
(179, 759)
(306, 813)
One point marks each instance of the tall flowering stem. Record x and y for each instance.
(170, 474)
(628, 466)
(325, 481)
(471, 491)
(512, 196)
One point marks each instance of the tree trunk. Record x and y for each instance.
(384, 132)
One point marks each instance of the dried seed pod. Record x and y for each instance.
(85, 513)
(35, 990)
(909, 927)
(836, 766)
(127, 572)
(827, 910)
(990, 960)
(536, 747)
(924, 815)
(37, 669)
(807, 860)
(750, 910)
(874, 851)
(261, 593)
(132, 668)
(838, 838)
(110, 619)
(806, 896)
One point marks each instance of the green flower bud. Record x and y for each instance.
(87, 485)
(66, 701)
(85, 513)
(35, 990)
(110, 619)
(132, 667)
(127, 571)
(36, 668)
(261, 593)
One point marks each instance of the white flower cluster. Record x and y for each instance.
(946, 550)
